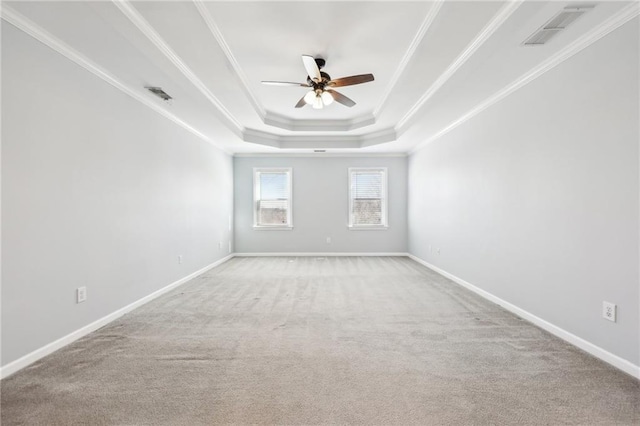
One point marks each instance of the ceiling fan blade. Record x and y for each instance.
(312, 68)
(340, 98)
(284, 83)
(301, 103)
(351, 80)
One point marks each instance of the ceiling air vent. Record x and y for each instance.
(159, 93)
(556, 24)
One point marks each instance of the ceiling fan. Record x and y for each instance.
(321, 84)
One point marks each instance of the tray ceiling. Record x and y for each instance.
(435, 63)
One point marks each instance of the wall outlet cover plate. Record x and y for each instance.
(609, 311)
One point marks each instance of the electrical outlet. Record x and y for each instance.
(609, 311)
(438, 250)
(81, 294)
(219, 245)
(328, 240)
(180, 259)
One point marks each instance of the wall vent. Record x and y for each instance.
(556, 24)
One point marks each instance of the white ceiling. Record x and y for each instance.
(435, 64)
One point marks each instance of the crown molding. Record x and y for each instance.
(247, 135)
(322, 154)
(379, 137)
(217, 34)
(261, 138)
(417, 39)
(145, 28)
(500, 18)
(286, 123)
(615, 21)
(270, 118)
(300, 142)
(14, 18)
(319, 141)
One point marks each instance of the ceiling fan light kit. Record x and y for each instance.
(327, 99)
(309, 98)
(320, 82)
(318, 99)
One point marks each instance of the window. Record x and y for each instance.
(272, 198)
(368, 198)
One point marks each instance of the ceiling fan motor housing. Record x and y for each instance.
(325, 78)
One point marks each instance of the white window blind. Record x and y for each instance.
(272, 198)
(368, 197)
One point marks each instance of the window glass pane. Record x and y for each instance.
(273, 198)
(367, 184)
(367, 198)
(273, 212)
(273, 186)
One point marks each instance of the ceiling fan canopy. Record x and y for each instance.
(321, 85)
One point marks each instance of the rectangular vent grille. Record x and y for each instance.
(159, 93)
(555, 25)
(564, 18)
(542, 36)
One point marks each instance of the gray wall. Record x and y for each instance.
(98, 191)
(535, 200)
(320, 207)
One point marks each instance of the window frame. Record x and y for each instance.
(257, 171)
(385, 196)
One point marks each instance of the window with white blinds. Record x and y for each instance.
(272, 198)
(368, 198)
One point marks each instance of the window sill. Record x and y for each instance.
(273, 228)
(367, 228)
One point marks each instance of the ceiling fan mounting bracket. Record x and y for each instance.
(320, 62)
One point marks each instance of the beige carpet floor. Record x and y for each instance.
(345, 340)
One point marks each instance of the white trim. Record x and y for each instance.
(306, 125)
(367, 227)
(17, 20)
(321, 154)
(322, 254)
(614, 22)
(272, 228)
(606, 356)
(269, 117)
(330, 141)
(378, 137)
(217, 34)
(49, 348)
(319, 141)
(500, 18)
(145, 28)
(417, 39)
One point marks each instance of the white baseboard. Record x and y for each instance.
(34, 356)
(319, 254)
(586, 346)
